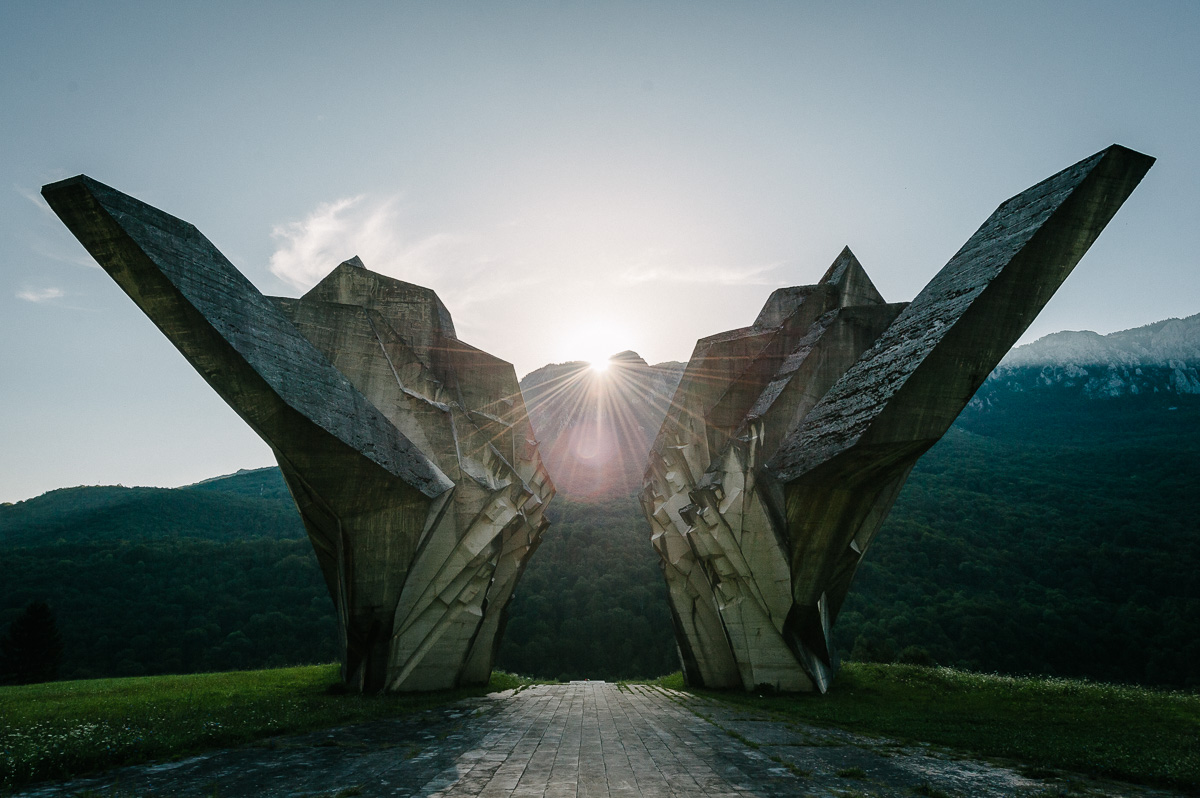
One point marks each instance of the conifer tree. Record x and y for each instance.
(32, 648)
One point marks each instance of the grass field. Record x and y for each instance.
(62, 729)
(1130, 733)
(1144, 736)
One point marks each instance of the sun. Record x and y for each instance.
(592, 341)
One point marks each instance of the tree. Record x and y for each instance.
(32, 648)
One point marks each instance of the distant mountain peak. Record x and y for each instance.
(594, 429)
(1156, 344)
(1161, 358)
(629, 357)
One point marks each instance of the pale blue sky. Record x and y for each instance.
(572, 178)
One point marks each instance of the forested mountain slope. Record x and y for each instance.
(249, 504)
(1053, 530)
(1052, 534)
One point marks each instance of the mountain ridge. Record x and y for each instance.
(1156, 344)
(595, 428)
(1161, 358)
(1051, 531)
(248, 504)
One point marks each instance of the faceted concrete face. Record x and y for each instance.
(789, 440)
(408, 452)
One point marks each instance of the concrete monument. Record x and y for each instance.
(408, 452)
(788, 441)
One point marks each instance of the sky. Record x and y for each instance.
(573, 179)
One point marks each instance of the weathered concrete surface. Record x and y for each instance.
(408, 451)
(789, 440)
(725, 559)
(581, 740)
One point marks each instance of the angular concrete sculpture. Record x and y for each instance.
(408, 452)
(789, 440)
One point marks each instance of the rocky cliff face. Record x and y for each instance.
(594, 428)
(1161, 358)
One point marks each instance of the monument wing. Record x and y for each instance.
(234, 336)
(408, 452)
(762, 510)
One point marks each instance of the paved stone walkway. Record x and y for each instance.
(581, 740)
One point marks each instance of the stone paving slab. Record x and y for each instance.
(579, 740)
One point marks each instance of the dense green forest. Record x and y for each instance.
(592, 602)
(249, 504)
(1052, 535)
(146, 581)
(1049, 534)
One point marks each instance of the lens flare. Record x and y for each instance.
(602, 423)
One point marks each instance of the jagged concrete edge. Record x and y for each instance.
(1068, 210)
(158, 258)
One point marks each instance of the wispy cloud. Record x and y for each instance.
(40, 294)
(35, 198)
(55, 251)
(563, 260)
(467, 269)
(51, 241)
(658, 270)
(365, 226)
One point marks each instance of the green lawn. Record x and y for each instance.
(1131, 733)
(1146, 736)
(62, 729)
